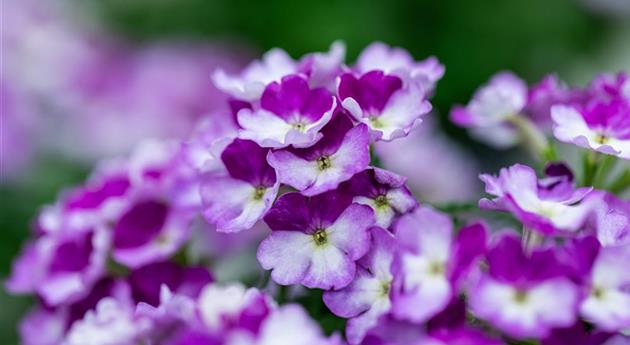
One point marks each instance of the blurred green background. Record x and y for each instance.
(474, 39)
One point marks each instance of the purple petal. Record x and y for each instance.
(247, 161)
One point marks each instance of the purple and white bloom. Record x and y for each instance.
(398, 61)
(599, 126)
(385, 192)
(489, 112)
(250, 84)
(390, 107)
(607, 304)
(315, 241)
(43, 327)
(63, 267)
(233, 306)
(112, 322)
(431, 264)
(235, 199)
(341, 153)
(291, 113)
(547, 205)
(524, 296)
(612, 221)
(323, 69)
(367, 298)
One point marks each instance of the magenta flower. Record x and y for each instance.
(387, 105)
(398, 61)
(235, 199)
(431, 264)
(600, 126)
(315, 241)
(547, 205)
(524, 296)
(290, 113)
(607, 304)
(342, 152)
(385, 192)
(367, 298)
(488, 113)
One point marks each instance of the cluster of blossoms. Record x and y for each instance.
(294, 154)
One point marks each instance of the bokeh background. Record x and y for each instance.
(142, 69)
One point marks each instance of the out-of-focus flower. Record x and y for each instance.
(451, 176)
(291, 114)
(235, 199)
(367, 298)
(342, 152)
(607, 304)
(524, 296)
(390, 107)
(385, 192)
(315, 241)
(431, 265)
(547, 205)
(492, 107)
(612, 221)
(398, 61)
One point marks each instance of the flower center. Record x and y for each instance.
(376, 122)
(385, 287)
(597, 292)
(259, 192)
(320, 237)
(601, 139)
(520, 296)
(381, 201)
(300, 126)
(323, 163)
(436, 268)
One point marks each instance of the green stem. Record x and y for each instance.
(531, 239)
(605, 166)
(621, 184)
(533, 139)
(589, 168)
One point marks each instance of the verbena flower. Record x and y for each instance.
(547, 205)
(315, 241)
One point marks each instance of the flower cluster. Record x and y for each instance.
(131, 256)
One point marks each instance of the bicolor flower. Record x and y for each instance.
(315, 241)
(235, 199)
(602, 126)
(431, 265)
(611, 221)
(321, 69)
(62, 267)
(546, 205)
(341, 153)
(524, 296)
(367, 298)
(387, 105)
(385, 192)
(291, 113)
(607, 304)
(489, 112)
(398, 61)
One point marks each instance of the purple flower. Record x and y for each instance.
(612, 221)
(341, 153)
(576, 334)
(237, 198)
(388, 106)
(431, 264)
(385, 192)
(290, 113)
(546, 205)
(600, 126)
(548, 92)
(367, 298)
(524, 296)
(493, 105)
(607, 304)
(315, 241)
(398, 61)
(43, 327)
(321, 68)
